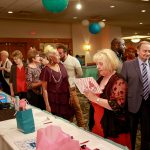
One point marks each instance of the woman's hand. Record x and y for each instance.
(91, 96)
(48, 108)
(2, 68)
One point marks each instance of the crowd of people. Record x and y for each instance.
(46, 80)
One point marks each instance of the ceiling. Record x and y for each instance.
(127, 13)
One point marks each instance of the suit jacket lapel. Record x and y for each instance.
(137, 68)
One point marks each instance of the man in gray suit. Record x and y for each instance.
(138, 105)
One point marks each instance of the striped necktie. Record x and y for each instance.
(145, 82)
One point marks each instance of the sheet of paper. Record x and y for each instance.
(88, 83)
(28, 144)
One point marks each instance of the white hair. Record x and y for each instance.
(50, 52)
(49, 49)
(4, 53)
(109, 59)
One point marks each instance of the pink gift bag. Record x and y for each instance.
(22, 104)
(53, 138)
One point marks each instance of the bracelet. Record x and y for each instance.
(98, 100)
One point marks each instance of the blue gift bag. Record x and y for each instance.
(3, 98)
(25, 121)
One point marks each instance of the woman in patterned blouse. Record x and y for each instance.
(108, 109)
(34, 85)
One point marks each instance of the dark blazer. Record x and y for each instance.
(132, 74)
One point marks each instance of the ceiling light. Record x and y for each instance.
(141, 23)
(145, 0)
(143, 10)
(75, 17)
(135, 40)
(104, 20)
(112, 6)
(135, 37)
(10, 12)
(78, 6)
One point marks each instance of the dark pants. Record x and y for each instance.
(22, 95)
(143, 115)
(36, 100)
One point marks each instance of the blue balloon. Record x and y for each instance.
(55, 6)
(94, 28)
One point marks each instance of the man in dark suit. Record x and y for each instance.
(138, 105)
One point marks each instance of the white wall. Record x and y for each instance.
(79, 34)
(23, 29)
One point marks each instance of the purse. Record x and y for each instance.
(25, 121)
(4, 104)
(6, 74)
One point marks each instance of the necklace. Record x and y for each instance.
(56, 80)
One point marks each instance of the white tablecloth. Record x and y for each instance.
(9, 134)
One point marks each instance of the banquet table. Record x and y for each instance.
(12, 139)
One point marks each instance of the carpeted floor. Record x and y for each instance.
(85, 108)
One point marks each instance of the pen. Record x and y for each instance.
(47, 122)
(84, 142)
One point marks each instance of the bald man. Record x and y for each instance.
(118, 46)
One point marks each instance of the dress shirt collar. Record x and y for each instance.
(141, 62)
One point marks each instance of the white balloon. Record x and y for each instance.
(102, 24)
(85, 22)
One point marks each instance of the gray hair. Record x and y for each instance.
(4, 52)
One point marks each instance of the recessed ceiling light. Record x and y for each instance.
(143, 10)
(103, 20)
(75, 17)
(135, 40)
(10, 12)
(112, 6)
(145, 0)
(141, 23)
(78, 6)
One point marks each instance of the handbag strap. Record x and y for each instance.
(6, 64)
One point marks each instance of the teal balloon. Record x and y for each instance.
(94, 28)
(55, 6)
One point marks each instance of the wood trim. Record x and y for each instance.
(35, 42)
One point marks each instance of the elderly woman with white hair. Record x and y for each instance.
(5, 67)
(56, 86)
(107, 112)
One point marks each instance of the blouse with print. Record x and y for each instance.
(33, 75)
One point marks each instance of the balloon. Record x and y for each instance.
(55, 6)
(102, 24)
(85, 22)
(94, 28)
